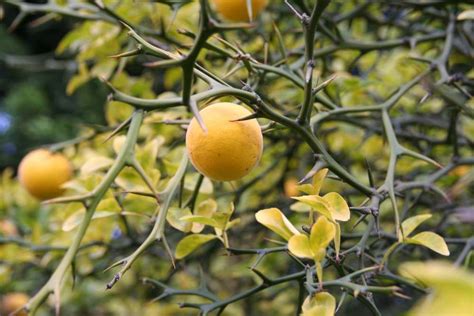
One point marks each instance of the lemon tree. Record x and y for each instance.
(259, 157)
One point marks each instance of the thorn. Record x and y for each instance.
(319, 164)
(134, 52)
(247, 118)
(169, 252)
(119, 128)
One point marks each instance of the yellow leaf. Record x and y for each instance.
(430, 240)
(318, 180)
(299, 246)
(410, 224)
(306, 188)
(452, 288)
(315, 186)
(322, 233)
(300, 207)
(317, 203)
(322, 304)
(276, 221)
(339, 208)
(190, 243)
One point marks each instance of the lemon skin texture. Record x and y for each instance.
(42, 173)
(236, 10)
(229, 150)
(12, 302)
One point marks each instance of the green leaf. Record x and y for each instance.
(206, 186)
(190, 243)
(300, 247)
(411, 223)
(317, 203)
(203, 220)
(275, 220)
(174, 218)
(322, 304)
(322, 233)
(430, 240)
(146, 155)
(206, 208)
(339, 208)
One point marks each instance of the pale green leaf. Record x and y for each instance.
(95, 164)
(76, 218)
(275, 220)
(451, 288)
(411, 223)
(118, 143)
(339, 208)
(190, 243)
(205, 208)
(300, 207)
(206, 186)
(203, 220)
(430, 240)
(174, 216)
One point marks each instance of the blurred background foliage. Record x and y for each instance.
(50, 92)
(35, 108)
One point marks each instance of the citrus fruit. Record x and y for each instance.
(236, 10)
(229, 149)
(12, 302)
(42, 173)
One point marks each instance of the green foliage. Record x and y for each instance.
(374, 115)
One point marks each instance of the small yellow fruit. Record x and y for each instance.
(236, 10)
(229, 150)
(290, 187)
(12, 302)
(42, 173)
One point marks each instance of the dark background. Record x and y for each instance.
(34, 107)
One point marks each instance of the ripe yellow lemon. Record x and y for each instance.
(229, 150)
(236, 10)
(42, 173)
(12, 302)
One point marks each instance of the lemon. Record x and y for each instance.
(230, 149)
(12, 302)
(236, 10)
(42, 173)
